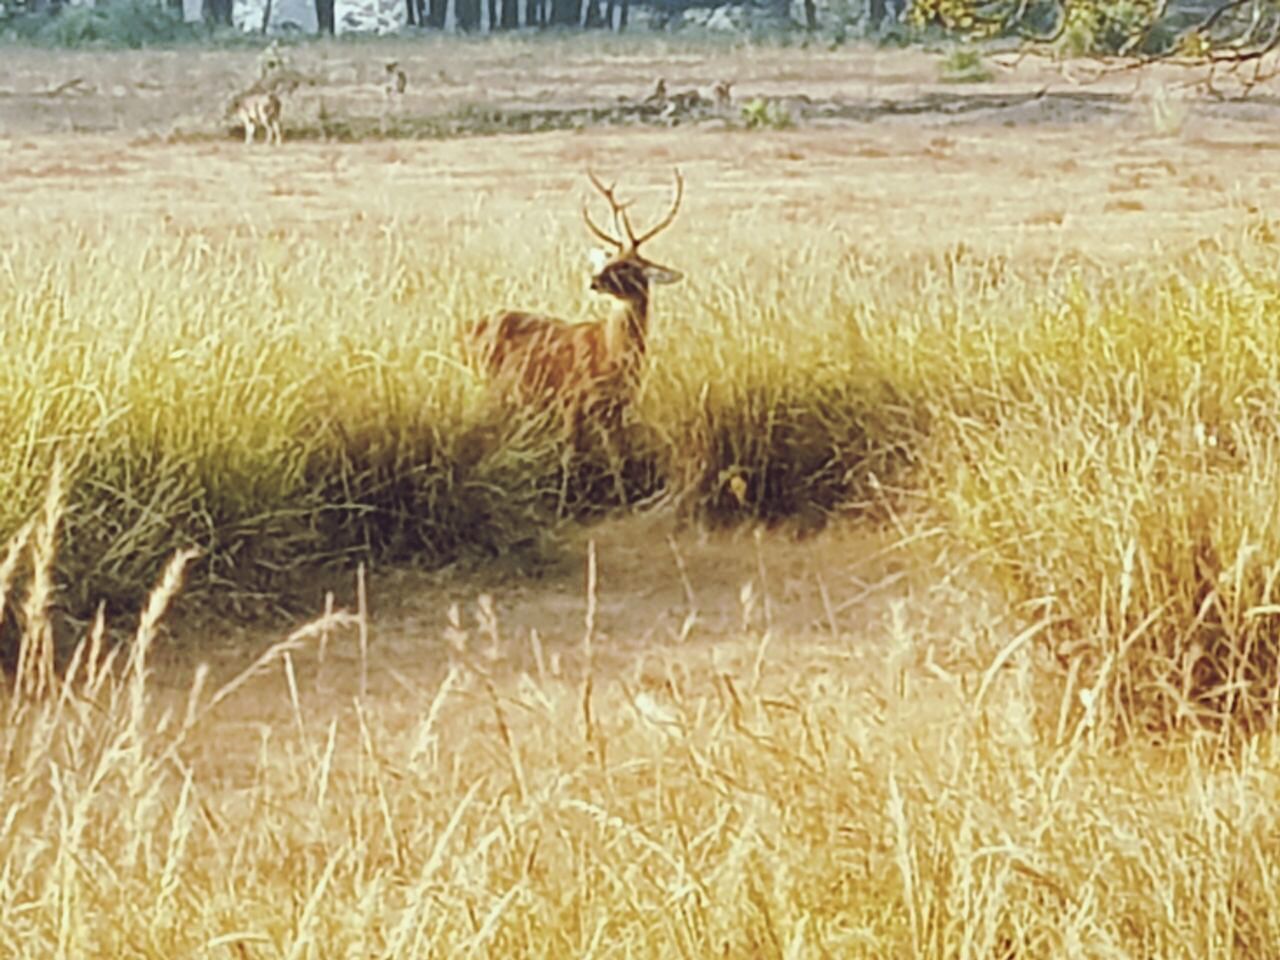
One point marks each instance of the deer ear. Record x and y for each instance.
(598, 258)
(656, 274)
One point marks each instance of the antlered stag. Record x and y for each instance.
(588, 371)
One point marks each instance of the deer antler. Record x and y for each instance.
(665, 221)
(620, 215)
(607, 193)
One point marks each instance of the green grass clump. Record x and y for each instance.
(255, 397)
(762, 114)
(964, 65)
(281, 403)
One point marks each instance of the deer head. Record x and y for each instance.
(627, 275)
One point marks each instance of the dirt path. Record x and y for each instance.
(667, 604)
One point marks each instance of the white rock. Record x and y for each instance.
(369, 16)
(246, 15)
(293, 15)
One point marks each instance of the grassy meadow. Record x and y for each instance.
(1057, 740)
(1097, 443)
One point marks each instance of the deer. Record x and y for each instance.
(723, 92)
(396, 82)
(258, 108)
(587, 371)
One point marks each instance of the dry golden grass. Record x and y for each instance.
(748, 797)
(1024, 710)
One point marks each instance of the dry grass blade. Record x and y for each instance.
(34, 674)
(296, 640)
(157, 603)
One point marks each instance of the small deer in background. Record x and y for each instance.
(397, 81)
(659, 95)
(589, 371)
(255, 109)
(272, 61)
(723, 92)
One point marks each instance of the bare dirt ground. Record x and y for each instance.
(1080, 171)
(1029, 164)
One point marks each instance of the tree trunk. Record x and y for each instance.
(622, 16)
(217, 12)
(468, 14)
(609, 7)
(810, 16)
(510, 14)
(437, 11)
(595, 19)
(493, 15)
(324, 16)
(876, 10)
(410, 18)
(566, 13)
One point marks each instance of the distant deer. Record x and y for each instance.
(586, 370)
(396, 81)
(683, 103)
(258, 108)
(271, 61)
(659, 95)
(723, 93)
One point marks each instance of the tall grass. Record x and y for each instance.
(755, 797)
(1120, 471)
(1094, 445)
(1100, 442)
(278, 402)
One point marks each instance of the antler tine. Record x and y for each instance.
(606, 191)
(620, 214)
(617, 208)
(591, 225)
(665, 221)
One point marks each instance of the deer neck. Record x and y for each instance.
(631, 317)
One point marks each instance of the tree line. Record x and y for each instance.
(470, 15)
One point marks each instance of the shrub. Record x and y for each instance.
(964, 65)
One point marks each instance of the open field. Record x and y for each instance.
(1019, 363)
